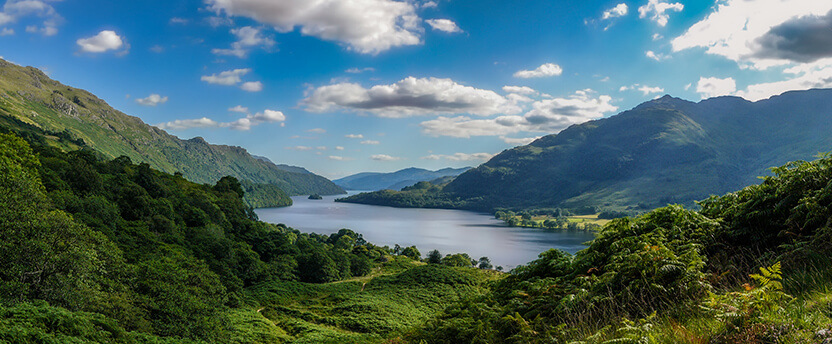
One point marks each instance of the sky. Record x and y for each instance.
(342, 87)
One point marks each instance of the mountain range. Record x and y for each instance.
(30, 99)
(372, 181)
(667, 150)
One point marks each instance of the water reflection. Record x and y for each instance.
(449, 231)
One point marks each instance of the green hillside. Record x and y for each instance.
(28, 96)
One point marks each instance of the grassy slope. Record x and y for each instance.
(31, 97)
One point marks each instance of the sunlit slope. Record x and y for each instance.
(30, 96)
(663, 151)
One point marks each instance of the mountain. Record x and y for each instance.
(371, 181)
(663, 151)
(30, 99)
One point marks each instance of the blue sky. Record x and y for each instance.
(342, 87)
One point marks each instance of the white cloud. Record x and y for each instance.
(339, 148)
(370, 142)
(245, 123)
(656, 10)
(430, 4)
(176, 20)
(252, 86)
(317, 131)
(519, 140)
(6, 32)
(658, 57)
(714, 87)
(808, 76)
(354, 136)
(445, 25)
(157, 49)
(16, 9)
(657, 36)
(643, 88)
(247, 38)
(765, 33)
(227, 78)
(519, 90)
(300, 148)
(409, 97)
(384, 157)
(102, 42)
(239, 108)
(545, 70)
(365, 26)
(460, 157)
(360, 70)
(548, 115)
(339, 158)
(184, 124)
(619, 10)
(152, 100)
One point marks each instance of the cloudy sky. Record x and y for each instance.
(342, 87)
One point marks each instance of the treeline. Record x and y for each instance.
(675, 273)
(152, 253)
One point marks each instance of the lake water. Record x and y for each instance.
(449, 231)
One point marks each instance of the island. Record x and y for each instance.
(315, 196)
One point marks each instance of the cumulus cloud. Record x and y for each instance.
(409, 97)
(354, 136)
(364, 26)
(445, 25)
(619, 10)
(14, 10)
(247, 38)
(152, 100)
(227, 78)
(765, 33)
(547, 115)
(654, 56)
(243, 124)
(339, 148)
(384, 157)
(6, 32)
(317, 131)
(714, 87)
(104, 41)
(519, 90)
(370, 142)
(545, 70)
(518, 141)
(234, 77)
(339, 158)
(252, 86)
(643, 88)
(656, 10)
(803, 77)
(239, 108)
(430, 4)
(184, 124)
(460, 157)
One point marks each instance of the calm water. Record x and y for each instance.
(449, 231)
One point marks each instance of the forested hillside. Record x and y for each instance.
(29, 97)
(371, 181)
(108, 251)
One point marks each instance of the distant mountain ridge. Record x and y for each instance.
(29, 96)
(663, 151)
(372, 181)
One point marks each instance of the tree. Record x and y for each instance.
(434, 257)
(412, 252)
(485, 263)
